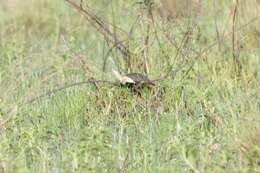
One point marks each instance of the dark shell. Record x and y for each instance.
(139, 78)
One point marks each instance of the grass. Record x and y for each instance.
(205, 120)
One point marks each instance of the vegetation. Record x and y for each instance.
(202, 116)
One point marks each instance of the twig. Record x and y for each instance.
(145, 44)
(179, 51)
(115, 34)
(216, 24)
(173, 72)
(237, 63)
(157, 36)
(102, 27)
(91, 81)
(84, 65)
(212, 45)
(105, 57)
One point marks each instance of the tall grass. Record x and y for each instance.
(203, 119)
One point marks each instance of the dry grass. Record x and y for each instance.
(202, 117)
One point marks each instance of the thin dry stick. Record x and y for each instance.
(84, 65)
(145, 44)
(209, 48)
(179, 66)
(216, 24)
(237, 63)
(106, 55)
(90, 81)
(12, 112)
(114, 24)
(102, 27)
(154, 27)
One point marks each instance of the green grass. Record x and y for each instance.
(206, 120)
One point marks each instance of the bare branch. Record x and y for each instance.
(145, 36)
(90, 81)
(101, 27)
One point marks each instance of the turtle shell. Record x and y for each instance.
(139, 78)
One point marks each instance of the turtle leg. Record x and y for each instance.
(134, 89)
(137, 89)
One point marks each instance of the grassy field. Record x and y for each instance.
(205, 119)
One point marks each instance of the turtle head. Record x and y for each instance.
(117, 74)
(126, 79)
(123, 79)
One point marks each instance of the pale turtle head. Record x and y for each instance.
(123, 79)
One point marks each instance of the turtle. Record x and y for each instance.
(135, 81)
